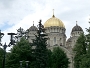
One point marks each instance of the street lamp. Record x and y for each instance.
(1, 35)
(25, 62)
(20, 64)
(12, 41)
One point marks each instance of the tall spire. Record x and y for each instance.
(53, 13)
(89, 18)
(76, 23)
(33, 23)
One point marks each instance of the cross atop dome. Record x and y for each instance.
(33, 23)
(89, 18)
(76, 23)
(53, 13)
(54, 22)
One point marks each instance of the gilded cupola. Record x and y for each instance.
(53, 21)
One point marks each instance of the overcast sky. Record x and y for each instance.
(22, 13)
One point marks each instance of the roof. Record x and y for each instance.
(77, 28)
(53, 22)
(33, 28)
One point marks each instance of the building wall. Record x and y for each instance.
(56, 36)
(31, 35)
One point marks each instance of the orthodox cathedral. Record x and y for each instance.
(55, 29)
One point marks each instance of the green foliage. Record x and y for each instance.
(20, 52)
(59, 58)
(79, 50)
(82, 51)
(1, 57)
(80, 46)
(85, 62)
(40, 51)
(49, 59)
(88, 41)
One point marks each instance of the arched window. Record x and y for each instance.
(57, 30)
(60, 44)
(54, 40)
(78, 32)
(60, 39)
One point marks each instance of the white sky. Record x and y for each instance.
(22, 13)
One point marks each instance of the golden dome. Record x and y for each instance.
(53, 22)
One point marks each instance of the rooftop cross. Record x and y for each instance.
(76, 22)
(53, 13)
(89, 18)
(33, 23)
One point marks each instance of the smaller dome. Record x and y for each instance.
(77, 28)
(33, 28)
(69, 40)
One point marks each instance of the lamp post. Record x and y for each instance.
(12, 41)
(4, 47)
(25, 62)
(21, 64)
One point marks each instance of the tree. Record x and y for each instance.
(49, 59)
(20, 52)
(40, 50)
(88, 40)
(1, 57)
(79, 50)
(59, 58)
(85, 62)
